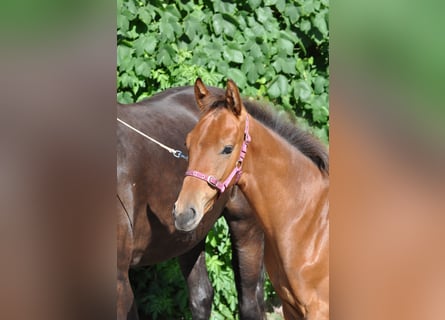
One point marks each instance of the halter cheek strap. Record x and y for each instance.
(236, 172)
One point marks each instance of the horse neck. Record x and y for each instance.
(276, 174)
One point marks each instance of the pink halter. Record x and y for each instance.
(214, 182)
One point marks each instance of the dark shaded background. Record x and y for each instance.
(57, 160)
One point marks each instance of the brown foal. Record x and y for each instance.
(286, 189)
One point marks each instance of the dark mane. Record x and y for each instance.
(283, 124)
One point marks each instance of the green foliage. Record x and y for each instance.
(275, 50)
(160, 291)
(218, 260)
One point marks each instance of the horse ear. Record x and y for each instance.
(233, 99)
(200, 93)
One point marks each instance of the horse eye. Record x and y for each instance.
(227, 150)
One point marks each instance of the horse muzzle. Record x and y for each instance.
(186, 219)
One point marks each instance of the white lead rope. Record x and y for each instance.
(175, 153)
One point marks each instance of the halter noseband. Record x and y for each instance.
(214, 182)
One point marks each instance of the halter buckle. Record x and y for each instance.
(212, 181)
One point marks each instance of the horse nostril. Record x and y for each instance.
(193, 213)
(174, 212)
(185, 219)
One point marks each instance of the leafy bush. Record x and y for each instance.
(160, 291)
(275, 50)
(272, 49)
(218, 261)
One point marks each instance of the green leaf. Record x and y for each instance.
(177, 27)
(279, 87)
(305, 25)
(266, 49)
(145, 16)
(280, 4)
(220, 25)
(145, 43)
(237, 76)
(255, 51)
(277, 64)
(292, 12)
(319, 84)
(144, 95)
(132, 34)
(124, 57)
(235, 21)
(249, 68)
(301, 66)
(319, 108)
(256, 31)
(192, 26)
(233, 55)
(223, 67)
(264, 14)
(165, 55)
(285, 46)
(142, 68)
(173, 11)
(213, 242)
(320, 23)
(260, 67)
(126, 80)
(308, 7)
(124, 97)
(224, 7)
(302, 90)
(254, 3)
(166, 29)
(288, 35)
(225, 312)
(122, 24)
(288, 66)
(131, 7)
